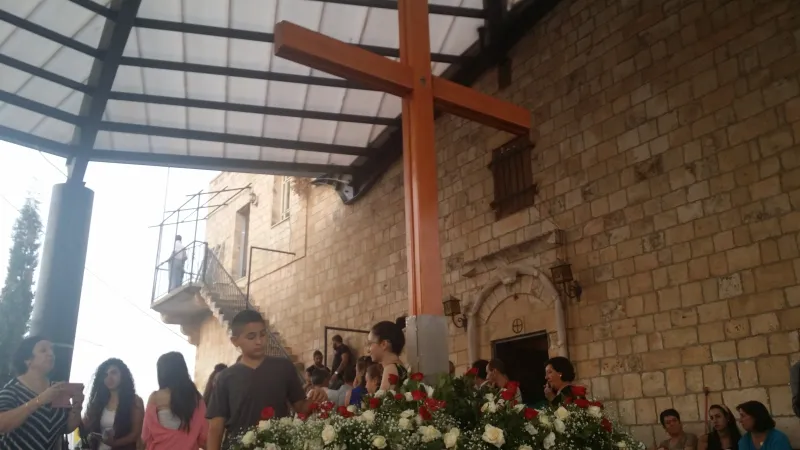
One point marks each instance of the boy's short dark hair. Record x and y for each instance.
(337, 338)
(480, 366)
(318, 377)
(668, 413)
(245, 318)
(317, 352)
(498, 365)
(349, 374)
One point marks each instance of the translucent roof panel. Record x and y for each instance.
(196, 84)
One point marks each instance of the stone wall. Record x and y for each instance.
(668, 150)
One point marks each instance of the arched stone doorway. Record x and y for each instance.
(516, 292)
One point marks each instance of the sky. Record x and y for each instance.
(115, 319)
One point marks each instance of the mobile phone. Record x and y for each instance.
(64, 400)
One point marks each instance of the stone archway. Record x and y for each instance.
(542, 290)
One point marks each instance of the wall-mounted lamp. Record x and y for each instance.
(452, 309)
(564, 282)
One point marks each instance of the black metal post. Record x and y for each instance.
(250, 266)
(58, 292)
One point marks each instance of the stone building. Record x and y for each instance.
(667, 162)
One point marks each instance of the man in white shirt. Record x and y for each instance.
(177, 263)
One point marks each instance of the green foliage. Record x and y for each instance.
(16, 298)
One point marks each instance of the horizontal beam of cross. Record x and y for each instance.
(313, 49)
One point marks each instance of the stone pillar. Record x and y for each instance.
(58, 292)
(426, 345)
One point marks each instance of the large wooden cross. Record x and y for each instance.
(411, 79)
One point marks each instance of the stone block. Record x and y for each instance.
(730, 286)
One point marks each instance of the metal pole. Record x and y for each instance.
(249, 276)
(194, 247)
(160, 237)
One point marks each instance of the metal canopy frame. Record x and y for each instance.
(503, 27)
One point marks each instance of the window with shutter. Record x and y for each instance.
(512, 170)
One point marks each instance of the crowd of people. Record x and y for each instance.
(35, 413)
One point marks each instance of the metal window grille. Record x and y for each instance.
(512, 170)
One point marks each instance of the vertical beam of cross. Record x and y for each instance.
(419, 164)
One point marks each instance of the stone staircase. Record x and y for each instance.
(225, 299)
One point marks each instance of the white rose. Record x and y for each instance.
(531, 429)
(451, 438)
(489, 407)
(519, 407)
(559, 426)
(249, 438)
(494, 436)
(380, 393)
(489, 397)
(368, 416)
(595, 411)
(408, 413)
(525, 447)
(328, 434)
(409, 397)
(352, 408)
(429, 433)
(545, 420)
(418, 419)
(286, 421)
(297, 422)
(264, 425)
(404, 423)
(622, 444)
(549, 441)
(429, 390)
(562, 413)
(272, 446)
(379, 442)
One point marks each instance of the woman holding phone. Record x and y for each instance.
(115, 413)
(35, 414)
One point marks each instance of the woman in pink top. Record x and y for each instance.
(175, 416)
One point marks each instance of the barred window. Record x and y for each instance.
(512, 170)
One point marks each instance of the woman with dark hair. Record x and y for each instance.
(360, 384)
(35, 413)
(760, 429)
(175, 418)
(386, 341)
(212, 381)
(724, 434)
(115, 412)
(559, 374)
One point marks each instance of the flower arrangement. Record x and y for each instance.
(454, 415)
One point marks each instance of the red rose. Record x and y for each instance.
(568, 401)
(507, 395)
(606, 425)
(512, 386)
(578, 391)
(327, 406)
(424, 413)
(398, 396)
(530, 413)
(582, 402)
(417, 376)
(393, 379)
(598, 404)
(323, 415)
(302, 416)
(342, 410)
(472, 372)
(313, 407)
(267, 413)
(374, 403)
(434, 405)
(418, 395)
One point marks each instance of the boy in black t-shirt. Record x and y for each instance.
(257, 382)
